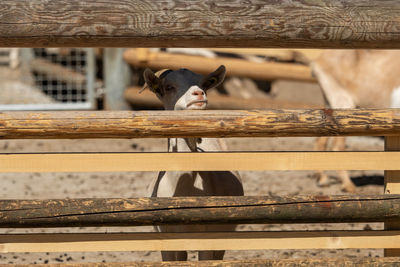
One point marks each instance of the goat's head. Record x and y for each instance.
(183, 89)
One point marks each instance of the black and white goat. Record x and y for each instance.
(182, 90)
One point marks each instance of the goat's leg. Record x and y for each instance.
(321, 144)
(339, 144)
(215, 254)
(172, 255)
(211, 255)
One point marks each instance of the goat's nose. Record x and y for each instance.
(198, 92)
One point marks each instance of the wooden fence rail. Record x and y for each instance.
(207, 161)
(205, 123)
(309, 262)
(197, 210)
(254, 23)
(139, 241)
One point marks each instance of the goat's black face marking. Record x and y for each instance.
(183, 89)
(176, 84)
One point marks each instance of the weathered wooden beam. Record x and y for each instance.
(91, 242)
(204, 123)
(215, 101)
(309, 262)
(234, 66)
(129, 23)
(207, 161)
(198, 210)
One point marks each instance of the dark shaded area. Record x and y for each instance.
(368, 180)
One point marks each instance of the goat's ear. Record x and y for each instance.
(214, 78)
(152, 81)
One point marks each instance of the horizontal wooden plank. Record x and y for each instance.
(197, 210)
(87, 242)
(208, 161)
(309, 262)
(203, 123)
(254, 23)
(234, 66)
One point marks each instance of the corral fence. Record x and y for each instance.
(197, 210)
(325, 24)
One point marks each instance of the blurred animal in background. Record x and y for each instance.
(185, 90)
(356, 79)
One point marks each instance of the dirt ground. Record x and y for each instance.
(124, 185)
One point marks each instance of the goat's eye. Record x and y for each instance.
(169, 88)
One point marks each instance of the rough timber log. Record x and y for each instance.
(204, 123)
(309, 262)
(198, 210)
(252, 23)
(234, 66)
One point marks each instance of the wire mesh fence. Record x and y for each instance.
(64, 89)
(66, 76)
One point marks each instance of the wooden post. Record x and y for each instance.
(117, 78)
(392, 186)
(26, 57)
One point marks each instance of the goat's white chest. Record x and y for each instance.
(185, 183)
(194, 145)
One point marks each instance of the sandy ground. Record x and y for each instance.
(124, 185)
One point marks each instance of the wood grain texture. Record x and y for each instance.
(234, 66)
(197, 210)
(309, 262)
(226, 23)
(86, 242)
(205, 123)
(207, 161)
